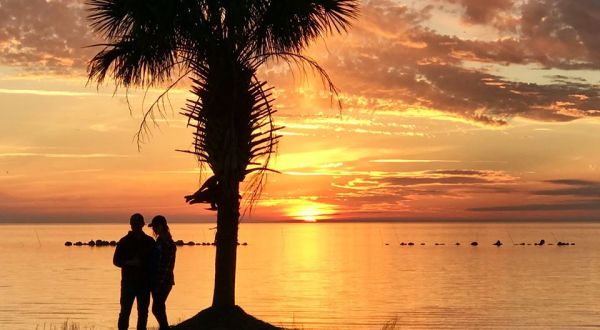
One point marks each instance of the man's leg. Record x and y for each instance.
(143, 301)
(159, 298)
(127, 297)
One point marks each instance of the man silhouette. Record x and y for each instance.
(133, 255)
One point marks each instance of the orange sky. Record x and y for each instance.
(462, 109)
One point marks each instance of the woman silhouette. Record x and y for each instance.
(162, 275)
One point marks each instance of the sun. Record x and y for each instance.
(309, 219)
(308, 213)
(308, 210)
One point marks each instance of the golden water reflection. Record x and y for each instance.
(322, 276)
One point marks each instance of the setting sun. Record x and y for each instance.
(310, 214)
(310, 211)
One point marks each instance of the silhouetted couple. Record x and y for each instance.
(146, 268)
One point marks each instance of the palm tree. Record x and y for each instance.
(219, 45)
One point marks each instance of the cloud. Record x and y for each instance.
(574, 182)
(590, 190)
(458, 172)
(56, 155)
(573, 206)
(392, 59)
(419, 67)
(421, 191)
(452, 180)
(562, 31)
(556, 33)
(44, 92)
(412, 161)
(482, 12)
(424, 183)
(580, 188)
(41, 35)
(319, 124)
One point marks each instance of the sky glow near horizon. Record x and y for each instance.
(452, 109)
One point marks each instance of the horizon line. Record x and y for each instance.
(328, 221)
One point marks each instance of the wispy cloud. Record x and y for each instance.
(318, 124)
(572, 206)
(400, 186)
(413, 161)
(310, 173)
(581, 188)
(82, 171)
(44, 92)
(61, 155)
(586, 192)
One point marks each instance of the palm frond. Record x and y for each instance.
(299, 62)
(289, 26)
(111, 18)
(144, 39)
(263, 141)
(133, 62)
(157, 107)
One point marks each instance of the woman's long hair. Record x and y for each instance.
(164, 224)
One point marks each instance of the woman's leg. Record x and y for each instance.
(159, 309)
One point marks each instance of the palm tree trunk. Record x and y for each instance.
(227, 105)
(226, 243)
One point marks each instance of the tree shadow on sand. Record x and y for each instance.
(214, 318)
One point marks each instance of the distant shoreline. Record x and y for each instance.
(330, 221)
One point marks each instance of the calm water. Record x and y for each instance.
(323, 276)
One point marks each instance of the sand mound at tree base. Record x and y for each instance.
(232, 318)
